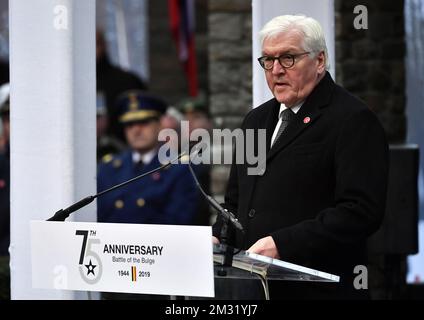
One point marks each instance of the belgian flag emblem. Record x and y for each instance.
(133, 273)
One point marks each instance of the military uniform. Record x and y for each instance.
(168, 196)
(165, 197)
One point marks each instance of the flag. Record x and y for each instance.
(181, 16)
(133, 273)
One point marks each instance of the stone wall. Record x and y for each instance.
(230, 70)
(230, 66)
(370, 62)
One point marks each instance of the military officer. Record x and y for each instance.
(195, 111)
(165, 197)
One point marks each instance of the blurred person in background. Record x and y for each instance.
(112, 81)
(172, 120)
(195, 111)
(168, 196)
(4, 192)
(106, 144)
(4, 72)
(4, 170)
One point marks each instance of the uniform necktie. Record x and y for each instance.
(286, 116)
(139, 165)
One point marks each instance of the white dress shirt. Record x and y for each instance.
(146, 157)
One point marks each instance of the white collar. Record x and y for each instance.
(145, 157)
(295, 109)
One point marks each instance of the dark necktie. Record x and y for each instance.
(139, 165)
(286, 116)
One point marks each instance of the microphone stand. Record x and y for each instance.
(227, 217)
(62, 214)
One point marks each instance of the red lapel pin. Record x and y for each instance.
(306, 120)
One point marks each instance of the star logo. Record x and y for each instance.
(90, 268)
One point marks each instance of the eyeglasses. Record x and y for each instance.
(286, 60)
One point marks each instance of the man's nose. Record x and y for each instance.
(277, 68)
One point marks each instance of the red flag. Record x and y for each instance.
(181, 15)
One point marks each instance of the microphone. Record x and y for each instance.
(226, 215)
(62, 214)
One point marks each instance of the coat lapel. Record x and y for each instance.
(271, 122)
(312, 108)
(308, 114)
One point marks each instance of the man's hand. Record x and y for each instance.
(266, 247)
(215, 240)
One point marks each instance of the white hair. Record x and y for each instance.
(310, 29)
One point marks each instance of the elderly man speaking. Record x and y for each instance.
(324, 188)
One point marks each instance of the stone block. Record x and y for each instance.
(364, 49)
(225, 26)
(224, 104)
(228, 122)
(393, 49)
(230, 77)
(230, 5)
(231, 51)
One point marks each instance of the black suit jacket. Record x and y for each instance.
(324, 188)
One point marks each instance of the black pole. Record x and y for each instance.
(62, 214)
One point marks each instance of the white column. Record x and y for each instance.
(263, 11)
(53, 145)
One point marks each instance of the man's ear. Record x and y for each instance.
(321, 62)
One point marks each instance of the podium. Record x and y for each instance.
(122, 258)
(250, 266)
(146, 259)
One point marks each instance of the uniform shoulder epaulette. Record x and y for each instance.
(107, 158)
